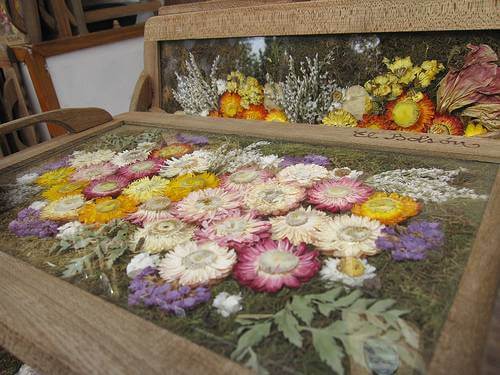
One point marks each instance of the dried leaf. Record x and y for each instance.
(251, 338)
(410, 335)
(328, 350)
(381, 306)
(301, 307)
(289, 326)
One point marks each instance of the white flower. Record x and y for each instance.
(349, 236)
(70, 230)
(86, 159)
(146, 146)
(204, 113)
(227, 304)
(63, 209)
(130, 156)
(140, 262)
(195, 162)
(273, 198)
(338, 173)
(195, 264)
(350, 271)
(38, 205)
(221, 86)
(162, 235)
(304, 175)
(270, 162)
(27, 178)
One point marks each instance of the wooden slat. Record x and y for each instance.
(61, 329)
(430, 144)
(143, 94)
(121, 11)
(328, 17)
(152, 70)
(199, 6)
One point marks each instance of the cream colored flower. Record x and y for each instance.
(154, 209)
(195, 264)
(146, 188)
(274, 198)
(195, 162)
(298, 226)
(304, 175)
(161, 235)
(63, 209)
(140, 262)
(81, 159)
(349, 271)
(227, 304)
(130, 156)
(349, 236)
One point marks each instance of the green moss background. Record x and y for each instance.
(427, 288)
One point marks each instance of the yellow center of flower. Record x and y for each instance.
(338, 191)
(278, 262)
(106, 186)
(271, 196)
(382, 205)
(194, 183)
(142, 166)
(169, 151)
(165, 227)
(107, 206)
(244, 177)
(354, 234)
(232, 226)
(199, 259)
(352, 267)
(406, 113)
(296, 219)
(156, 204)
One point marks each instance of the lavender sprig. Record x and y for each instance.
(198, 140)
(308, 159)
(28, 223)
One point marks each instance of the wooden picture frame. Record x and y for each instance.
(63, 330)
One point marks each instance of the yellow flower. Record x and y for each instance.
(234, 81)
(341, 118)
(473, 129)
(402, 68)
(387, 208)
(146, 188)
(276, 115)
(103, 210)
(64, 190)
(56, 176)
(181, 186)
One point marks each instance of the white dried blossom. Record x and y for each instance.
(227, 304)
(140, 262)
(146, 146)
(15, 195)
(27, 178)
(426, 184)
(38, 205)
(70, 230)
(221, 86)
(195, 93)
(270, 162)
(306, 95)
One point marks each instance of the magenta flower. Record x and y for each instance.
(109, 186)
(141, 169)
(338, 195)
(269, 265)
(94, 172)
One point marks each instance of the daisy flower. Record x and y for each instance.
(103, 210)
(273, 198)
(235, 231)
(300, 225)
(387, 208)
(109, 186)
(154, 209)
(130, 156)
(161, 235)
(349, 236)
(349, 271)
(195, 264)
(241, 180)
(268, 266)
(181, 186)
(81, 159)
(338, 173)
(94, 172)
(146, 188)
(304, 175)
(64, 190)
(55, 176)
(196, 162)
(141, 169)
(339, 195)
(174, 150)
(208, 205)
(64, 209)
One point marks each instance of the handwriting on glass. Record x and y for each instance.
(414, 138)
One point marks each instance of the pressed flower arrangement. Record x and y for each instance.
(258, 239)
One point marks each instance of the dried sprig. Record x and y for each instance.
(307, 95)
(197, 94)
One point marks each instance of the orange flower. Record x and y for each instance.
(376, 122)
(254, 112)
(174, 150)
(276, 115)
(446, 124)
(411, 113)
(230, 104)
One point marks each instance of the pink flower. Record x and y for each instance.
(338, 195)
(243, 179)
(269, 265)
(94, 172)
(141, 169)
(235, 231)
(109, 186)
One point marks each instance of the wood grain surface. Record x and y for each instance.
(327, 17)
(200, 6)
(63, 330)
(142, 96)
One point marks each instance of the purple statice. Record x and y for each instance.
(198, 140)
(149, 289)
(64, 162)
(412, 242)
(28, 223)
(308, 159)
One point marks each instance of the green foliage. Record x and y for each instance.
(357, 322)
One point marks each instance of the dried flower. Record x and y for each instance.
(103, 210)
(338, 195)
(195, 162)
(308, 159)
(94, 172)
(154, 209)
(29, 223)
(80, 159)
(387, 208)
(140, 262)
(109, 186)
(303, 175)
(130, 156)
(349, 271)
(27, 179)
(181, 186)
(63, 209)
(273, 198)
(227, 304)
(146, 188)
(198, 140)
(141, 169)
(162, 235)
